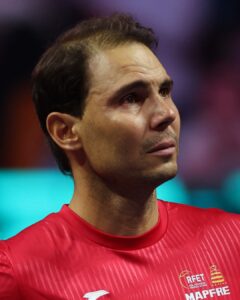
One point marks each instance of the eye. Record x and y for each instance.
(130, 98)
(165, 91)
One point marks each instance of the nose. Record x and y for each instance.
(164, 114)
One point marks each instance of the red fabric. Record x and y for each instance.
(190, 254)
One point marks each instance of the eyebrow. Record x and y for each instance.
(168, 82)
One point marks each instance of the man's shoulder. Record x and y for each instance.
(179, 210)
(35, 238)
(203, 225)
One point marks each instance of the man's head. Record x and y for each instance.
(107, 102)
(61, 79)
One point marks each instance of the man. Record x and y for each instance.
(104, 102)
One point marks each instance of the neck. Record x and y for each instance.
(131, 213)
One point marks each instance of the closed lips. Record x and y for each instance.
(162, 145)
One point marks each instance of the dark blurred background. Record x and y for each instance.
(199, 44)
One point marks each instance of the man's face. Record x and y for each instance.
(130, 126)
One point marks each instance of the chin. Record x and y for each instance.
(164, 174)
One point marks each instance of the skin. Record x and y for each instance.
(109, 148)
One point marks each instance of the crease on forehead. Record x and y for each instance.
(127, 74)
(110, 71)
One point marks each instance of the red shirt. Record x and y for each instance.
(191, 254)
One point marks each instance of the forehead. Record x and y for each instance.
(112, 68)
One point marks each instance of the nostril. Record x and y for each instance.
(162, 120)
(163, 125)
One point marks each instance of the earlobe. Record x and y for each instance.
(63, 130)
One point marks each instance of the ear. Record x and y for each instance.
(63, 129)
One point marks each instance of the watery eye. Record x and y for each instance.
(130, 98)
(165, 91)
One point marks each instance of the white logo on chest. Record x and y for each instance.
(95, 295)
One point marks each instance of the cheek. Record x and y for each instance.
(113, 141)
(178, 124)
(112, 132)
(176, 128)
(110, 150)
(128, 135)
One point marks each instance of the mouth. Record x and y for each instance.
(164, 148)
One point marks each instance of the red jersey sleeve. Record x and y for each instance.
(8, 283)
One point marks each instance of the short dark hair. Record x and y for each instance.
(61, 77)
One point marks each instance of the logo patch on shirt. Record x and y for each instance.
(213, 284)
(217, 277)
(95, 295)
